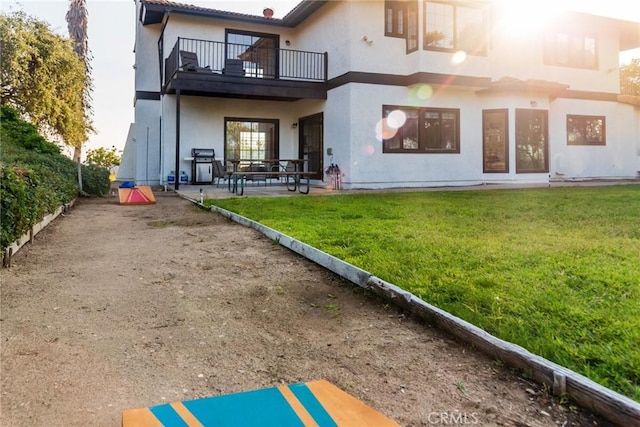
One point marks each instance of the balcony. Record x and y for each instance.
(217, 69)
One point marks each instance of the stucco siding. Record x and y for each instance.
(147, 142)
(617, 159)
(202, 125)
(147, 76)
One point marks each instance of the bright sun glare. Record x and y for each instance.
(519, 18)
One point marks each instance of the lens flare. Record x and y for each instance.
(368, 150)
(384, 131)
(396, 119)
(459, 57)
(419, 94)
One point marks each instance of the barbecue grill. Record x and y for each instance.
(202, 165)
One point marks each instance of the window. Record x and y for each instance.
(394, 19)
(495, 141)
(420, 130)
(586, 130)
(571, 50)
(401, 20)
(257, 51)
(412, 26)
(250, 139)
(532, 150)
(452, 27)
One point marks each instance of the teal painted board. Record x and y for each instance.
(311, 404)
(259, 408)
(167, 416)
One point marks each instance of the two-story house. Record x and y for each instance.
(397, 93)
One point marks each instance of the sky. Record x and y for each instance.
(112, 33)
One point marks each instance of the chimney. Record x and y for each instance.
(267, 12)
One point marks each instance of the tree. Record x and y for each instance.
(77, 23)
(103, 158)
(43, 78)
(630, 78)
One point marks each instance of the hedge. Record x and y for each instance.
(35, 178)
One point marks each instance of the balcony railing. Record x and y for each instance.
(257, 62)
(630, 87)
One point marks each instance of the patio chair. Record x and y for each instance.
(219, 172)
(190, 62)
(233, 67)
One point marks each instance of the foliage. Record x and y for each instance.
(25, 134)
(35, 178)
(43, 78)
(104, 158)
(95, 180)
(630, 78)
(554, 270)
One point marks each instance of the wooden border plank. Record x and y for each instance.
(587, 393)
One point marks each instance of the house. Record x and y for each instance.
(409, 93)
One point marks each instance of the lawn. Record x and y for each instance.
(554, 270)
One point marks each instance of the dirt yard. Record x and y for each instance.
(116, 307)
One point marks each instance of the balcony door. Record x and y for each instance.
(311, 137)
(258, 52)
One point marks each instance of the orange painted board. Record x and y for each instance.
(345, 409)
(140, 195)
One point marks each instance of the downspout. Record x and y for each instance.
(177, 171)
(161, 52)
(161, 71)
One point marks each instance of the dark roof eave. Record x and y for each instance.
(153, 12)
(511, 85)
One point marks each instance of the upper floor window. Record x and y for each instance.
(401, 20)
(586, 130)
(571, 50)
(394, 18)
(420, 130)
(454, 27)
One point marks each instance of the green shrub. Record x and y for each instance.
(24, 134)
(95, 180)
(16, 213)
(36, 179)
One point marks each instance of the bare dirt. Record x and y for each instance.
(116, 307)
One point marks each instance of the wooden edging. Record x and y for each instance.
(29, 236)
(590, 395)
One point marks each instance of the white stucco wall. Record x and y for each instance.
(147, 134)
(617, 159)
(520, 55)
(147, 76)
(202, 125)
(366, 166)
(327, 31)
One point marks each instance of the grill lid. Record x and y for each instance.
(203, 152)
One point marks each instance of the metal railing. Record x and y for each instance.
(630, 88)
(257, 62)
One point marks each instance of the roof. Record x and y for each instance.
(152, 12)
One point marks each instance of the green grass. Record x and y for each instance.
(554, 270)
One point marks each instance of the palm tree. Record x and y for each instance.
(77, 19)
